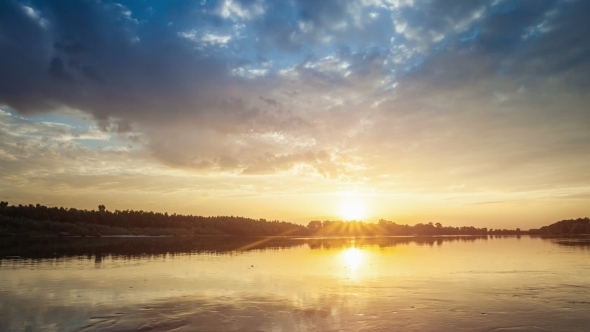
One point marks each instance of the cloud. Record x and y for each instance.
(414, 90)
(207, 39)
(244, 10)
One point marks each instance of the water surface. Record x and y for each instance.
(295, 284)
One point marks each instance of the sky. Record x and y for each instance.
(459, 112)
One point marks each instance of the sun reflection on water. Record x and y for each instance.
(353, 259)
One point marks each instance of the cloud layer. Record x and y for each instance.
(377, 96)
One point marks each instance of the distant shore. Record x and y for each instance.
(38, 220)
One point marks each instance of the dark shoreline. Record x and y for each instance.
(42, 221)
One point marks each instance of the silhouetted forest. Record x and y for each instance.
(40, 220)
(569, 226)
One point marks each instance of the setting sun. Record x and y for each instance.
(352, 210)
(294, 165)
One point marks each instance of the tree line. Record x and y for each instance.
(71, 221)
(385, 227)
(42, 220)
(562, 227)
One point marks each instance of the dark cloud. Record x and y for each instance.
(121, 77)
(57, 71)
(374, 81)
(270, 101)
(69, 47)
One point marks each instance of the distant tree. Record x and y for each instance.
(570, 226)
(102, 208)
(314, 226)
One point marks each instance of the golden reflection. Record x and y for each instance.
(353, 257)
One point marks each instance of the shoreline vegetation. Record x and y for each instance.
(39, 220)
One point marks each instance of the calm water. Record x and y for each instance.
(262, 284)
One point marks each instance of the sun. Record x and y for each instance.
(352, 210)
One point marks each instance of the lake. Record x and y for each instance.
(295, 284)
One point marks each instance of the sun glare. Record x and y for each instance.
(352, 257)
(352, 210)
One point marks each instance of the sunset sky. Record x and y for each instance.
(459, 112)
